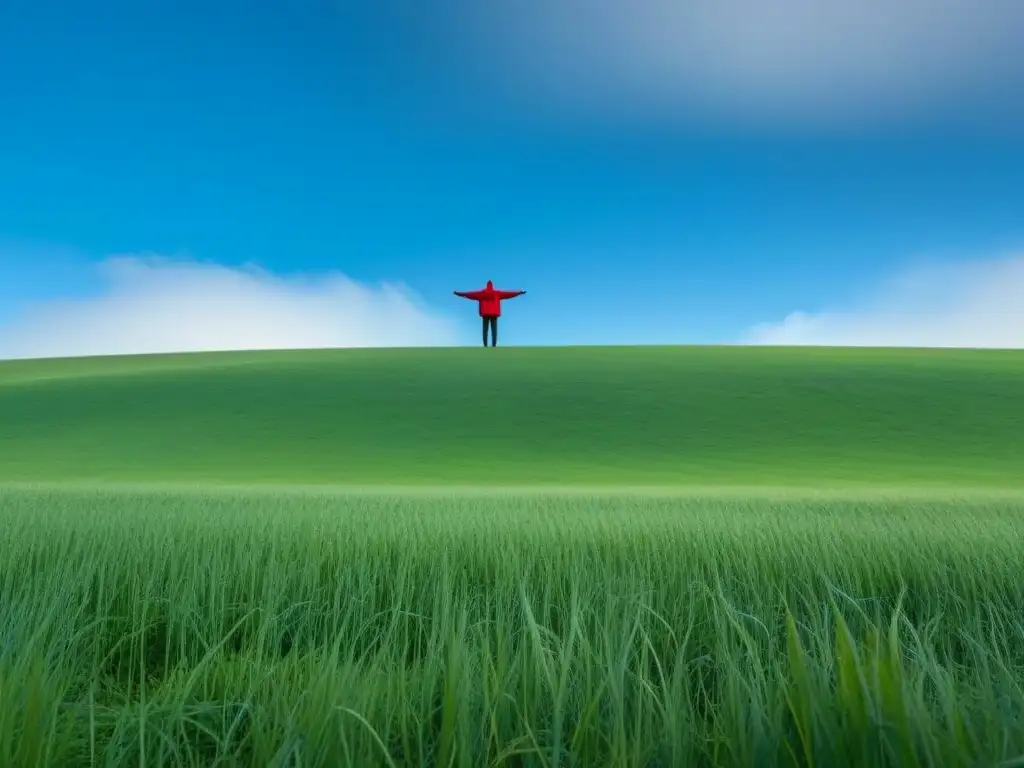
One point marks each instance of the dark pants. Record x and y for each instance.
(493, 323)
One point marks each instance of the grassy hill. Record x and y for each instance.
(518, 416)
(192, 625)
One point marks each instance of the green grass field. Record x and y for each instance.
(550, 557)
(522, 417)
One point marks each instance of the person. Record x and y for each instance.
(489, 300)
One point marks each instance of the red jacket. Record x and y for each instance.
(489, 299)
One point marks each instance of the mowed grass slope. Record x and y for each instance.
(520, 417)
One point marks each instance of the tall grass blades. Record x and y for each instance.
(314, 628)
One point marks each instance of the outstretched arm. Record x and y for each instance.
(509, 294)
(475, 295)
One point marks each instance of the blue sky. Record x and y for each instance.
(648, 177)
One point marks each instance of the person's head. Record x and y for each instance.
(490, 286)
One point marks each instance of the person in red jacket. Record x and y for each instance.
(490, 300)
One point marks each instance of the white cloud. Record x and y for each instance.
(851, 60)
(152, 304)
(970, 304)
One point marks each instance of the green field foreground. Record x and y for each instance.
(582, 557)
(316, 628)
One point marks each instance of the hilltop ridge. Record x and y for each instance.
(571, 416)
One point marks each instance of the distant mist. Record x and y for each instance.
(151, 304)
(967, 304)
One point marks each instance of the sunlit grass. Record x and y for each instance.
(226, 628)
(583, 416)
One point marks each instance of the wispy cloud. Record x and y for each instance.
(151, 304)
(968, 304)
(845, 60)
